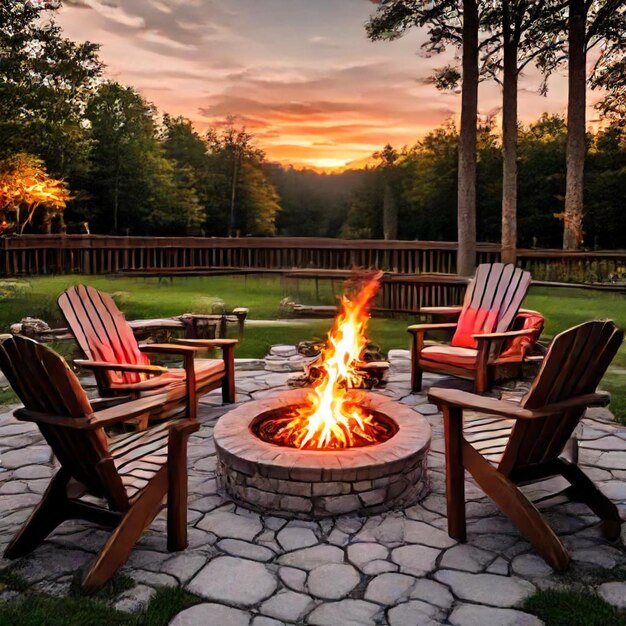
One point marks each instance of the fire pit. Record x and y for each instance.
(330, 449)
(308, 483)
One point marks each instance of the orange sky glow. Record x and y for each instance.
(299, 74)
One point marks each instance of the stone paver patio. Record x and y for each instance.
(398, 568)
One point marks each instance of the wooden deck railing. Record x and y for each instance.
(96, 254)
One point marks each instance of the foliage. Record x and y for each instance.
(46, 81)
(427, 179)
(26, 187)
(134, 186)
(34, 608)
(573, 608)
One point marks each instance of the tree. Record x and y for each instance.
(448, 23)
(134, 185)
(526, 33)
(25, 188)
(46, 81)
(589, 23)
(388, 158)
(245, 199)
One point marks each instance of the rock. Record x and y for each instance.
(466, 557)
(288, 606)
(261, 620)
(414, 613)
(183, 566)
(310, 558)
(416, 560)
(361, 554)
(389, 589)
(293, 538)
(233, 580)
(34, 455)
(333, 581)
(135, 600)
(292, 578)
(614, 593)
(284, 351)
(346, 613)
(475, 615)
(228, 524)
(427, 409)
(210, 614)
(530, 566)
(432, 592)
(246, 550)
(397, 354)
(500, 591)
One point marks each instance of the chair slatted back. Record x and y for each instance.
(574, 365)
(45, 384)
(491, 301)
(102, 332)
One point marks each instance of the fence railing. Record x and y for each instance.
(96, 254)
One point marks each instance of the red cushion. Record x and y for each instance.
(451, 355)
(473, 322)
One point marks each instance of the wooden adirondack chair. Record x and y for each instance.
(539, 428)
(121, 366)
(491, 303)
(131, 473)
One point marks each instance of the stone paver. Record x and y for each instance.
(209, 614)
(614, 593)
(235, 581)
(333, 582)
(398, 568)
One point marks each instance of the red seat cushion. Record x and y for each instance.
(451, 355)
(474, 322)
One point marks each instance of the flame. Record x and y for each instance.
(332, 418)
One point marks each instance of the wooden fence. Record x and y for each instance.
(95, 254)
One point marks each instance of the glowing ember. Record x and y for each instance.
(332, 417)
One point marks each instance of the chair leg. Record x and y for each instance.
(416, 370)
(583, 490)
(228, 382)
(177, 492)
(47, 515)
(455, 472)
(122, 540)
(517, 507)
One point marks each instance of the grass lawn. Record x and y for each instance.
(154, 297)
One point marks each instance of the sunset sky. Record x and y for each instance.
(300, 74)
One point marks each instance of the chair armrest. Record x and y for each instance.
(483, 404)
(422, 328)
(169, 348)
(440, 310)
(504, 335)
(120, 367)
(503, 408)
(188, 353)
(207, 343)
(106, 417)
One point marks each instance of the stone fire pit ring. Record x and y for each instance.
(306, 484)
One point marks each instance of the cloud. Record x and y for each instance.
(300, 74)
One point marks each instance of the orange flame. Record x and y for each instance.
(331, 419)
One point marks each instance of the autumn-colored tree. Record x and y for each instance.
(25, 188)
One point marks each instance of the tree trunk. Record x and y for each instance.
(576, 112)
(233, 195)
(390, 213)
(509, 142)
(46, 221)
(466, 220)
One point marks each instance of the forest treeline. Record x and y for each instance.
(127, 168)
